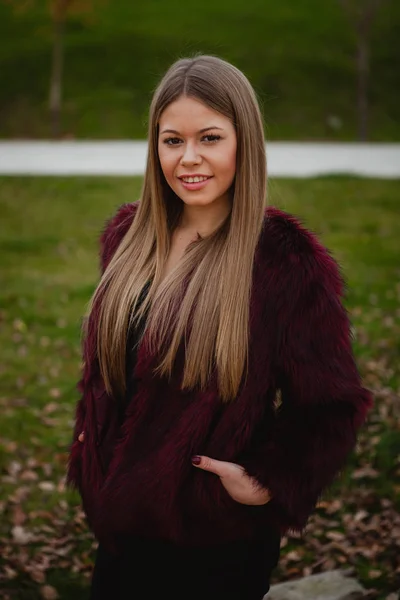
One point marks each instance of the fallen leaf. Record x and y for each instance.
(47, 486)
(48, 592)
(20, 535)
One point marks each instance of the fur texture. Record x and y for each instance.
(138, 479)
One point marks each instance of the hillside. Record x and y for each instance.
(298, 55)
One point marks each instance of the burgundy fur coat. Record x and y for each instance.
(138, 479)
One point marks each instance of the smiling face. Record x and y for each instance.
(197, 152)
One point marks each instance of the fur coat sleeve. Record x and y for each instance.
(322, 400)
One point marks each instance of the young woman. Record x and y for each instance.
(220, 396)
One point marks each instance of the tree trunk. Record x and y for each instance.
(56, 76)
(362, 84)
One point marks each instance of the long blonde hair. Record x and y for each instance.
(208, 293)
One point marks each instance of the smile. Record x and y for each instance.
(193, 179)
(194, 183)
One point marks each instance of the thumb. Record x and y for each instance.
(209, 464)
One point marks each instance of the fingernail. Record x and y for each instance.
(196, 460)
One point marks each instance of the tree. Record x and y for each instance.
(361, 14)
(58, 12)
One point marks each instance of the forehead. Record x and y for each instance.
(190, 115)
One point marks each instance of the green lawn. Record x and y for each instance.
(298, 55)
(49, 267)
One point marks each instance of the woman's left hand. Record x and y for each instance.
(240, 486)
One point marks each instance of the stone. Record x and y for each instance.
(330, 585)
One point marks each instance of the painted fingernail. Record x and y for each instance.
(196, 460)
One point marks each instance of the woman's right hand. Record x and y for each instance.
(81, 436)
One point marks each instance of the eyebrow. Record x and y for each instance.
(201, 130)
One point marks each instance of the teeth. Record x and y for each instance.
(193, 179)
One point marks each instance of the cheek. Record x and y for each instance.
(166, 163)
(230, 163)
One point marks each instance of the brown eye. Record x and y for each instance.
(171, 141)
(212, 138)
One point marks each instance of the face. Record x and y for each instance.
(197, 151)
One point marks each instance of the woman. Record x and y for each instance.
(220, 396)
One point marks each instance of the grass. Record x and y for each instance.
(49, 267)
(299, 57)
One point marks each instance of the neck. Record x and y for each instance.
(203, 220)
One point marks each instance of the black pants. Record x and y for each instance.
(153, 569)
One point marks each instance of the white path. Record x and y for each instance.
(285, 159)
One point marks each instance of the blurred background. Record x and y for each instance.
(87, 68)
(324, 70)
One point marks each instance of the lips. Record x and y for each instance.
(181, 177)
(196, 185)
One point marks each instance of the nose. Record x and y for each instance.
(190, 155)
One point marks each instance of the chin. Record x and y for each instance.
(200, 200)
